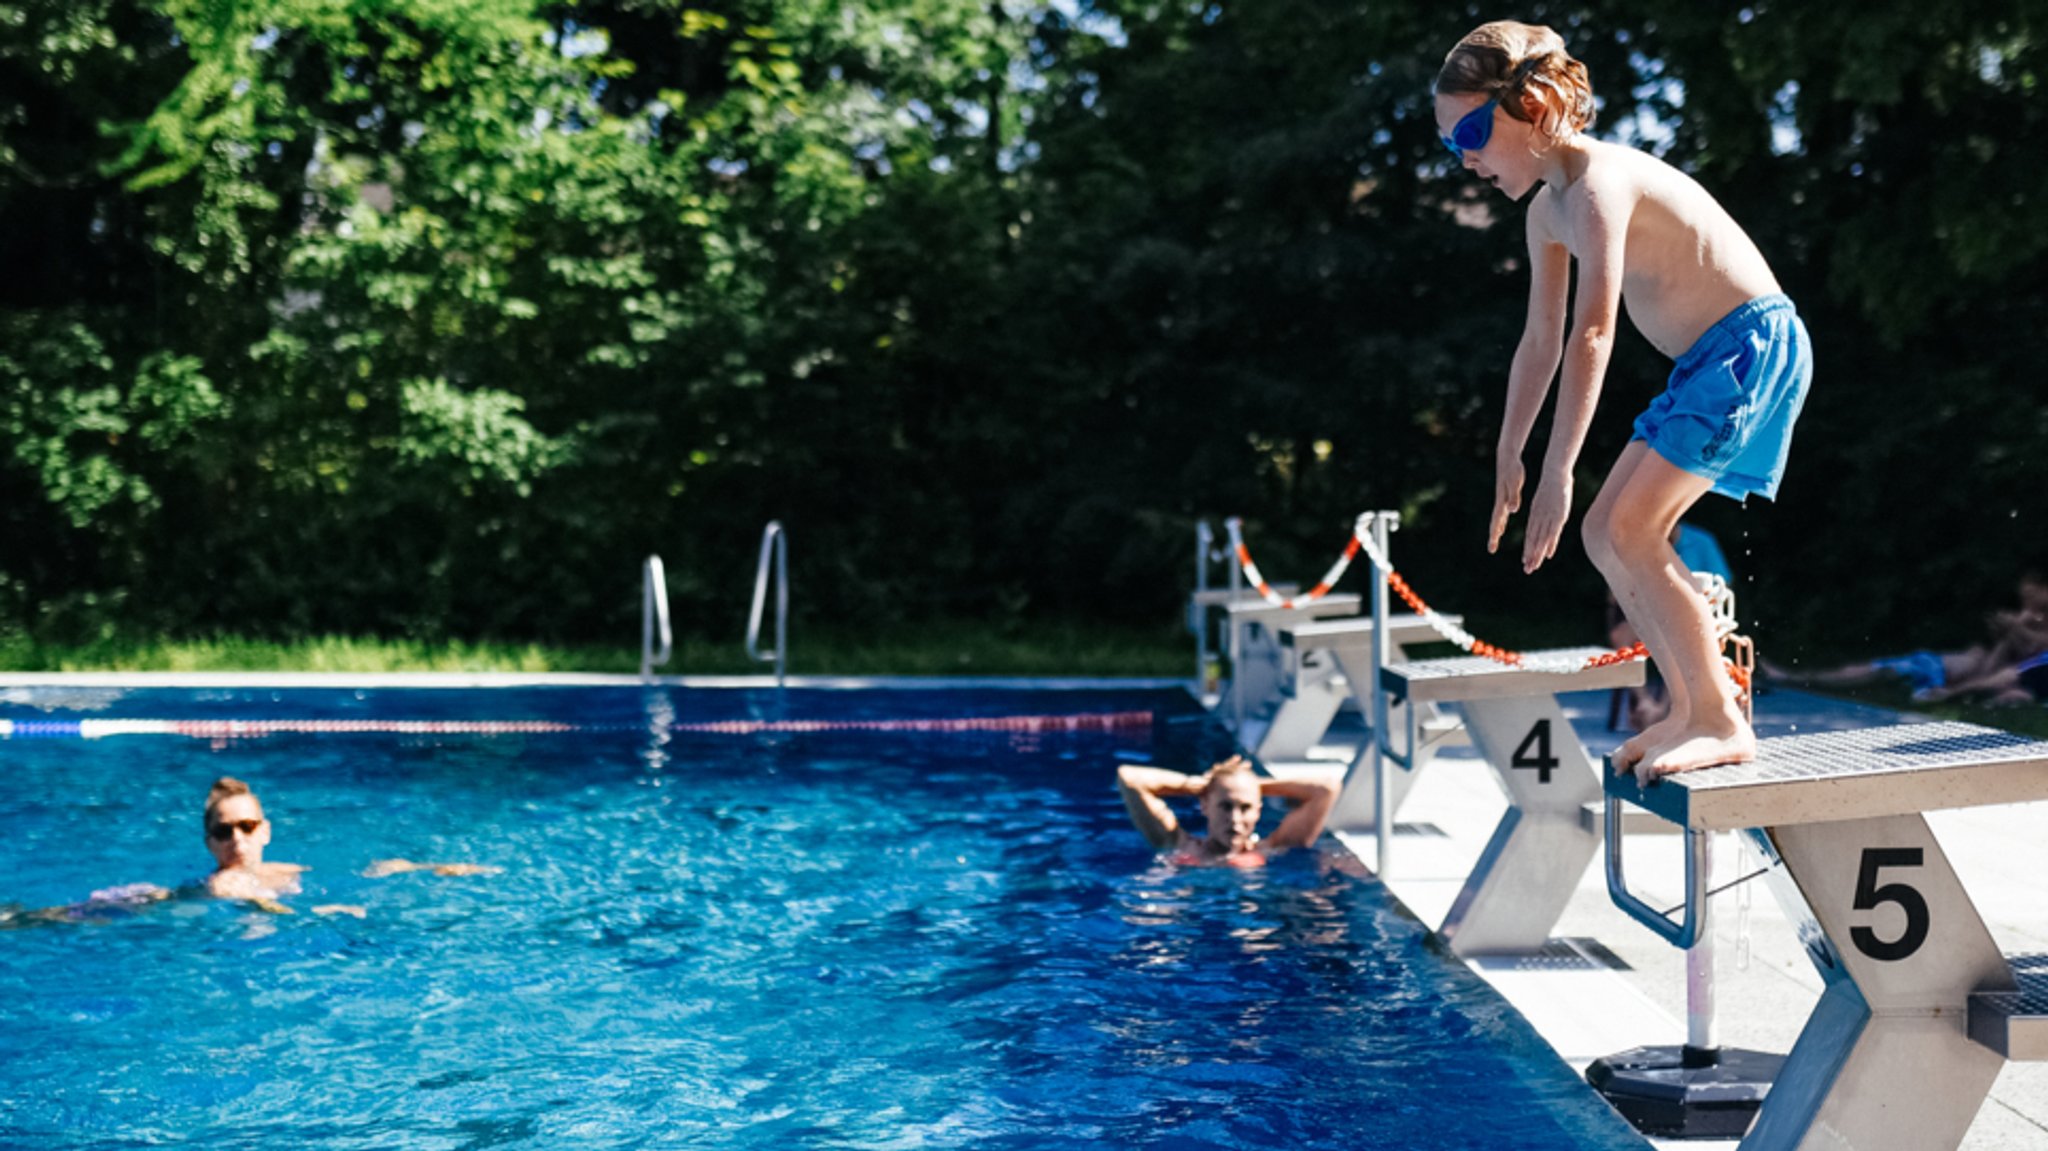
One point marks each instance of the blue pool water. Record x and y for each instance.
(861, 939)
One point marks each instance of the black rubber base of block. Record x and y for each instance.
(1684, 1092)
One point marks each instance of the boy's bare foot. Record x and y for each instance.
(1637, 746)
(1694, 751)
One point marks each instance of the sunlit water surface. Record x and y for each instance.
(827, 940)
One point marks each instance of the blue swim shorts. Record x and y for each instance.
(1920, 669)
(1728, 411)
(2034, 676)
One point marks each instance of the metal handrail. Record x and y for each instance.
(774, 543)
(653, 615)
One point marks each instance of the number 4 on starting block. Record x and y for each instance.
(1541, 847)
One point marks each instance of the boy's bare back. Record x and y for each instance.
(1685, 262)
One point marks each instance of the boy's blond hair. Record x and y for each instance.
(1526, 68)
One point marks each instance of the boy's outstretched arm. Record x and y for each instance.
(1536, 359)
(1596, 215)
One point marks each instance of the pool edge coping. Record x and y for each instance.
(436, 679)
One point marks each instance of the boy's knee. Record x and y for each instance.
(1630, 543)
(1596, 532)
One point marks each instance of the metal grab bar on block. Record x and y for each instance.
(654, 617)
(1687, 930)
(775, 544)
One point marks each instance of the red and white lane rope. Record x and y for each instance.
(1252, 576)
(224, 729)
(1110, 721)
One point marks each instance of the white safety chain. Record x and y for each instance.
(1720, 604)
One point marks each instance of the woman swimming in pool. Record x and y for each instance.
(1513, 106)
(237, 831)
(236, 834)
(1232, 798)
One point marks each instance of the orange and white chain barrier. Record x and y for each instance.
(1251, 570)
(1720, 605)
(1720, 609)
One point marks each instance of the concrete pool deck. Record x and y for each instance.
(1615, 985)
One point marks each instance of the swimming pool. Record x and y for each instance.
(829, 938)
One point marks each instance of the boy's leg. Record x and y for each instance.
(1599, 530)
(1712, 729)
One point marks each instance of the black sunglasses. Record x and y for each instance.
(226, 829)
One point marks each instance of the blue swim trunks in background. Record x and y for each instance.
(1728, 411)
(1921, 670)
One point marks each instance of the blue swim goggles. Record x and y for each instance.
(1472, 130)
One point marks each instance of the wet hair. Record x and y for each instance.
(1223, 771)
(1526, 68)
(224, 788)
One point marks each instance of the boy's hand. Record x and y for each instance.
(1547, 521)
(1547, 517)
(1507, 499)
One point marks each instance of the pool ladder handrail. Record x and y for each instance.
(654, 617)
(775, 545)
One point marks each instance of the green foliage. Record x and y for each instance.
(478, 437)
(430, 318)
(951, 648)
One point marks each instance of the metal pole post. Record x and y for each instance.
(1236, 646)
(1198, 613)
(1699, 972)
(1382, 783)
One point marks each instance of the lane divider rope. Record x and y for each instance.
(220, 729)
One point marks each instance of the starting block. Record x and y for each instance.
(1541, 847)
(1921, 1008)
(1258, 665)
(1325, 664)
(1203, 603)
